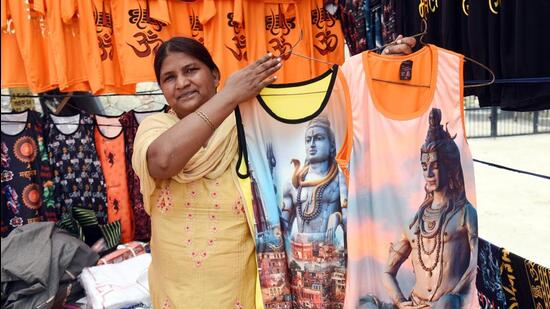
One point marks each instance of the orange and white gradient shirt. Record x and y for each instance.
(391, 124)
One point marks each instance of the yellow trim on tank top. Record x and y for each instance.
(296, 102)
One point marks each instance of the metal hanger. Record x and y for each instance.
(292, 52)
(424, 31)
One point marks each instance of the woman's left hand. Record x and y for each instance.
(402, 46)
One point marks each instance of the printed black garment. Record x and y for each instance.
(353, 25)
(142, 221)
(374, 9)
(78, 177)
(488, 281)
(388, 21)
(26, 183)
(525, 283)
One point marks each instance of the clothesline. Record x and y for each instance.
(524, 80)
(70, 123)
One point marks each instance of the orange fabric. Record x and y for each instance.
(413, 100)
(30, 33)
(64, 39)
(111, 152)
(324, 35)
(137, 37)
(225, 37)
(188, 18)
(275, 26)
(97, 46)
(12, 62)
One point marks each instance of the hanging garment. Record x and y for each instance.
(26, 177)
(522, 24)
(76, 168)
(276, 27)
(111, 150)
(388, 21)
(412, 225)
(485, 47)
(488, 281)
(36, 51)
(224, 36)
(94, 19)
(142, 223)
(326, 39)
(140, 28)
(524, 282)
(12, 62)
(65, 36)
(296, 138)
(354, 25)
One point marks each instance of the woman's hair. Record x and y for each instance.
(188, 46)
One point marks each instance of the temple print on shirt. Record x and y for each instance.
(308, 232)
(298, 143)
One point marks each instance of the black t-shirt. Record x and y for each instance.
(524, 50)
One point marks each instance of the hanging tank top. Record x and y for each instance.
(296, 139)
(412, 226)
(111, 151)
(26, 180)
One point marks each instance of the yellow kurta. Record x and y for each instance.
(202, 249)
(201, 241)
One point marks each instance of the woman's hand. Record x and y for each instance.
(246, 83)
(402, 46)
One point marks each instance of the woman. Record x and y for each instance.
(202, 245)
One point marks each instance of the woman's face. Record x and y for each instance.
(186, 82)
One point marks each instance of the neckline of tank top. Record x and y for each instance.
(424, 107)
(332, 72)
(24, 123)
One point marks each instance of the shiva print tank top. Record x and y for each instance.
(412, 224)
(76, 168)
(26, 183)
(297, 141)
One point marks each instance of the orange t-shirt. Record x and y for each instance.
(111, 152)
(225, 36)
(99, 53)
(325, 36)
(12, 75)
(275, 27)
(137, 37)
(31, 32)
(64, 39)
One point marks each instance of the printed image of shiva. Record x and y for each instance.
(313, 217)
(441, 239)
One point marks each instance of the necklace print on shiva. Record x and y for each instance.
(314, 203)
(431, 227)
